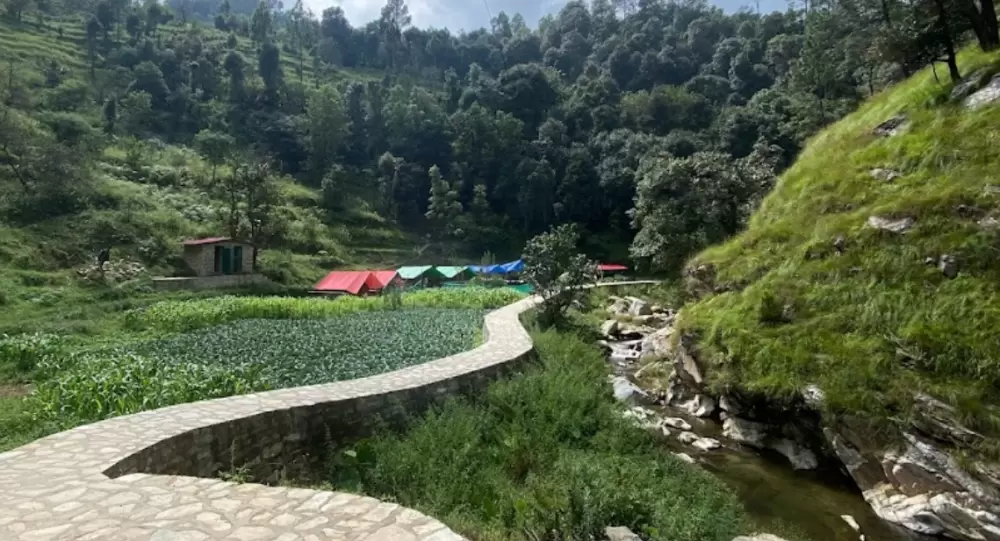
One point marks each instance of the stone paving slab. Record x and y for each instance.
(84, 484)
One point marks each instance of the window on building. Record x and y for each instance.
(217, 266)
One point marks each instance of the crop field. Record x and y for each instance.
(292, 353)
(181, 351)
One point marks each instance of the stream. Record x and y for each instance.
(775, 496)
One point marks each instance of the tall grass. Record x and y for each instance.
(876, 323)
(195, 314)
(543, 456)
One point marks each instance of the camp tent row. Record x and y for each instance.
(365, 281)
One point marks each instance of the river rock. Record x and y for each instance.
(657, 345)
(685, 457)
(676, 422)
(618, 307)
(706, 444)
(744, 431)
(638, 307)
(687, 437)
(625, 390)
(685, 363)
(851, 522)
(912, 480)
(801, 457)
(620, 533)
(699, 406)
(609, 328)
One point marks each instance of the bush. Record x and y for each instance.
(546, 455)
(20, 355)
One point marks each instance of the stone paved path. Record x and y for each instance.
(63, 487)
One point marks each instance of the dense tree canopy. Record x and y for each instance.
(653, 120)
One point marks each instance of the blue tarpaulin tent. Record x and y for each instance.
(513, 266)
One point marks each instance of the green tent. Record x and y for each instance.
(417, 273)
(454, 273)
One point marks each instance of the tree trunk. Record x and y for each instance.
(949, 42)
(990, 38)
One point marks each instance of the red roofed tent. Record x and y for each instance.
(384, 277)
(611, 267)
(355, 282)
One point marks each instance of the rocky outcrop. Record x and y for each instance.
(985, 95)
(912, 478)
(763, 436)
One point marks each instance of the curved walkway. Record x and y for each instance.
(148, 476)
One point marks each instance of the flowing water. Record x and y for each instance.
(779, 499)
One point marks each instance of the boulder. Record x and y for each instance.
(989, 223)
(699, 406)
(685, 457)
(901, 225)
(985, 95)
(609, 328)
(687, 437)
(892, 127)
(638, 307)
(685, 362)
(676, 422)
(706, 444)
(620, 533)
(744, 431)
(625, 390)
(798, 455)
(657, 344)
(948, 266)
(969, 84)
(756, 435)
(618, 307)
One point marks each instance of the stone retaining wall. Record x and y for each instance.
(136, 477)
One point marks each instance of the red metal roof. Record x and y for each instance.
(610, 267)
(383, 278)
(209, 240)
(347, 281)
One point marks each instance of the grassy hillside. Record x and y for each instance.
(871, 318)
(149, 195)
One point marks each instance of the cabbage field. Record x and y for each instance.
(182, 351)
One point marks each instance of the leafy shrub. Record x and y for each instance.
(543, 456)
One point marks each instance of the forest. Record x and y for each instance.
(652, 125)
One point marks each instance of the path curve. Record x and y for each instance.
(149, 476)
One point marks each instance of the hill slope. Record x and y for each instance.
(818, 291)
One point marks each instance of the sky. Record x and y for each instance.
(457, 15)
